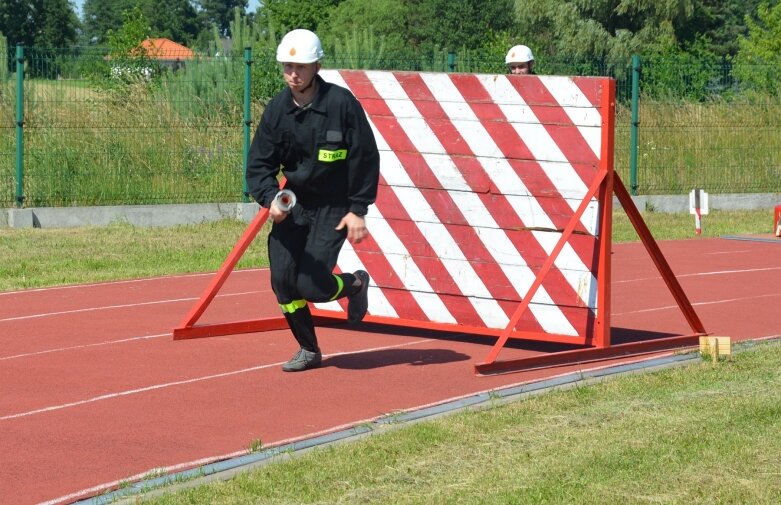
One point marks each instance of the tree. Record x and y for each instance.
(387, 19)
(100, 16)
(41, 23)
(759, 57)
(618, 28)
(721, 23)
(443, 24)
(56, 23)
(219, 13)
(128, 62)
(763, 42)
(285, 15)
(612, 29)
(16, 22)
(177, 20)
(125, 42)
(422, 25)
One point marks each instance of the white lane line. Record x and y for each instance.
(129, 281)
(741, 251)
(698, 304)
(84, 346)
(190, 381)
(702, 274)
(123, 306)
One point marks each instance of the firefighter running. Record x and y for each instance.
(317, 133)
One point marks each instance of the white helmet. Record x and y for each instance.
(300, 46)
(518, 54)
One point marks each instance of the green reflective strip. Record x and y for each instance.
(339, 288)
(328, 156)
(289, 308)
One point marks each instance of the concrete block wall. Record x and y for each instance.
(680, 203)
(137, 215)
(171, 215)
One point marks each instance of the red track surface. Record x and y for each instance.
(95, 391)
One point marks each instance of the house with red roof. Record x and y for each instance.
(166, 50)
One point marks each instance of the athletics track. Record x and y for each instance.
(95, 392)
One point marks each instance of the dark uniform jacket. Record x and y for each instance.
(326, 150)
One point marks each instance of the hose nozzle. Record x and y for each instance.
(286, 200)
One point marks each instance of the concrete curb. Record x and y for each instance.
(137, 215)
(680, 203)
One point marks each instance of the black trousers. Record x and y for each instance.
(303, 250)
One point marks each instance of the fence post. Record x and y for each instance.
(247, 115)
(633, 147)
(19, 126)
(451, 61)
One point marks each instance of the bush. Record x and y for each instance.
(684, 77)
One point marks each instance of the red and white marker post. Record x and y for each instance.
(777, 221)
(698, 205)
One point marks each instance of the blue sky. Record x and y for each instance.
(253, 4)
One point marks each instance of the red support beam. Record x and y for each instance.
(589, 355)
(573, 222)
(222, 274)
(656, 255)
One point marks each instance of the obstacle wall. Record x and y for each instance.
(494, 216)
(480, 176)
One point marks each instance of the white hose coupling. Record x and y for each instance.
(286, 200)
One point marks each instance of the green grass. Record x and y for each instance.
(31, 258)
(702, 434)
(666, 226)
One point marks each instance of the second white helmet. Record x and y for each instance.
(518, 54)
(300, 46)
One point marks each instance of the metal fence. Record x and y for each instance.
(93, 138)
(81, 128)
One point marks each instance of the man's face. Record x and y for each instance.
(520, 68)
(299, 75)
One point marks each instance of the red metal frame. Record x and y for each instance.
(609, 183)
(187, 328)
(600, 352)
(658, 258)
(602, 324)
(507, 332)
(588, 355)
(597, 338)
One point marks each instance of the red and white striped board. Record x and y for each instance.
(480, 175)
